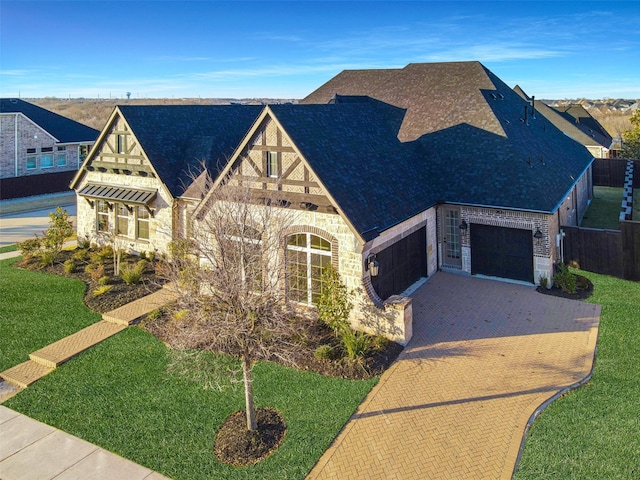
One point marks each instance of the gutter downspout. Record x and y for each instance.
(15, 144)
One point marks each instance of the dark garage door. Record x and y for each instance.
(502, 252)
(401, 264)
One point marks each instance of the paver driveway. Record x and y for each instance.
(484, 356)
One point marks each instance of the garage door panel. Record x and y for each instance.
(401, 264)
(502, 252)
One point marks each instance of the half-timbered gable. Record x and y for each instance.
(142, 179)
(269, 162)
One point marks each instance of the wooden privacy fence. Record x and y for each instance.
(18, 187)
(610, 252)
(610, 172)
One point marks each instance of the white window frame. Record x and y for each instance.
(119, 208)
(273, 163)
(145, 219)
(102, 214)
(47, 159)
(308, 250)
(33, 158)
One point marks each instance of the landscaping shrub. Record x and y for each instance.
(334, 306)
(95, 271)
(101, 290)
(81, 255)
(30, 248)
(565, 279)
(324, 352)
(47, 257)
(70, 266)
(356, 344)
(379, 343)
(544, 281)
(102, 254)
(132, 274)
(105, 280)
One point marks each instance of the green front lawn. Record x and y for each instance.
(119, 396)
(604, 211)
(9, 248)
(594, 431)
(37, 309)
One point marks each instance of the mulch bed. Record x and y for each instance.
(120, 294)
(236, 445)
(584, 289)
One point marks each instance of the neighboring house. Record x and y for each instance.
(134, 185)
(393, 174)
(36, 141)
(576, 122)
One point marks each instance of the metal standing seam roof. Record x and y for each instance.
(124, 195)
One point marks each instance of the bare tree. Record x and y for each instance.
(229, 274)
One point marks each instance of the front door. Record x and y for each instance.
(451, 241)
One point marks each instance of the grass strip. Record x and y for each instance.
(9, 248)
(604, 211)
(36, 310)
(592, 432)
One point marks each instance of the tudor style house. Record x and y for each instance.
(393, 174)
(36, 141)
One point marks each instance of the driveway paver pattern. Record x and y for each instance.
(484, 356)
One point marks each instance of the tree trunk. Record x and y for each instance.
(248, 394)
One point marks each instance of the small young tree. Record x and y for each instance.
(334, 306)
(229, 276)
(49, 246)
(631, 138)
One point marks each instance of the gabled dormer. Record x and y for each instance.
(269, 162)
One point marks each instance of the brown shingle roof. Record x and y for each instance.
(436, 95)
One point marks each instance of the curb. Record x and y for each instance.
(19, 205)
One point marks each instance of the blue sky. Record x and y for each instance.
(287, 49)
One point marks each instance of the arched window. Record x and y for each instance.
(307, 257)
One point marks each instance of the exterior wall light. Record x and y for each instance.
(373, 265)
(464, 225)
(538, 234)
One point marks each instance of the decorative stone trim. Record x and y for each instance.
(320, 233)
(371, 292)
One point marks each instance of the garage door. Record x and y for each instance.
(502, 252)
(401, 264)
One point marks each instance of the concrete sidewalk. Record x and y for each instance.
(31, 450)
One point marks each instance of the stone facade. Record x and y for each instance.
(21, 139)
(164, 208)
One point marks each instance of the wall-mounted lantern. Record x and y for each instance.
(373, 265)
(463, 226)
(538, 234)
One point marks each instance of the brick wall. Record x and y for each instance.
(29, 136)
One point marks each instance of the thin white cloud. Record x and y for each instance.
(16, 73)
